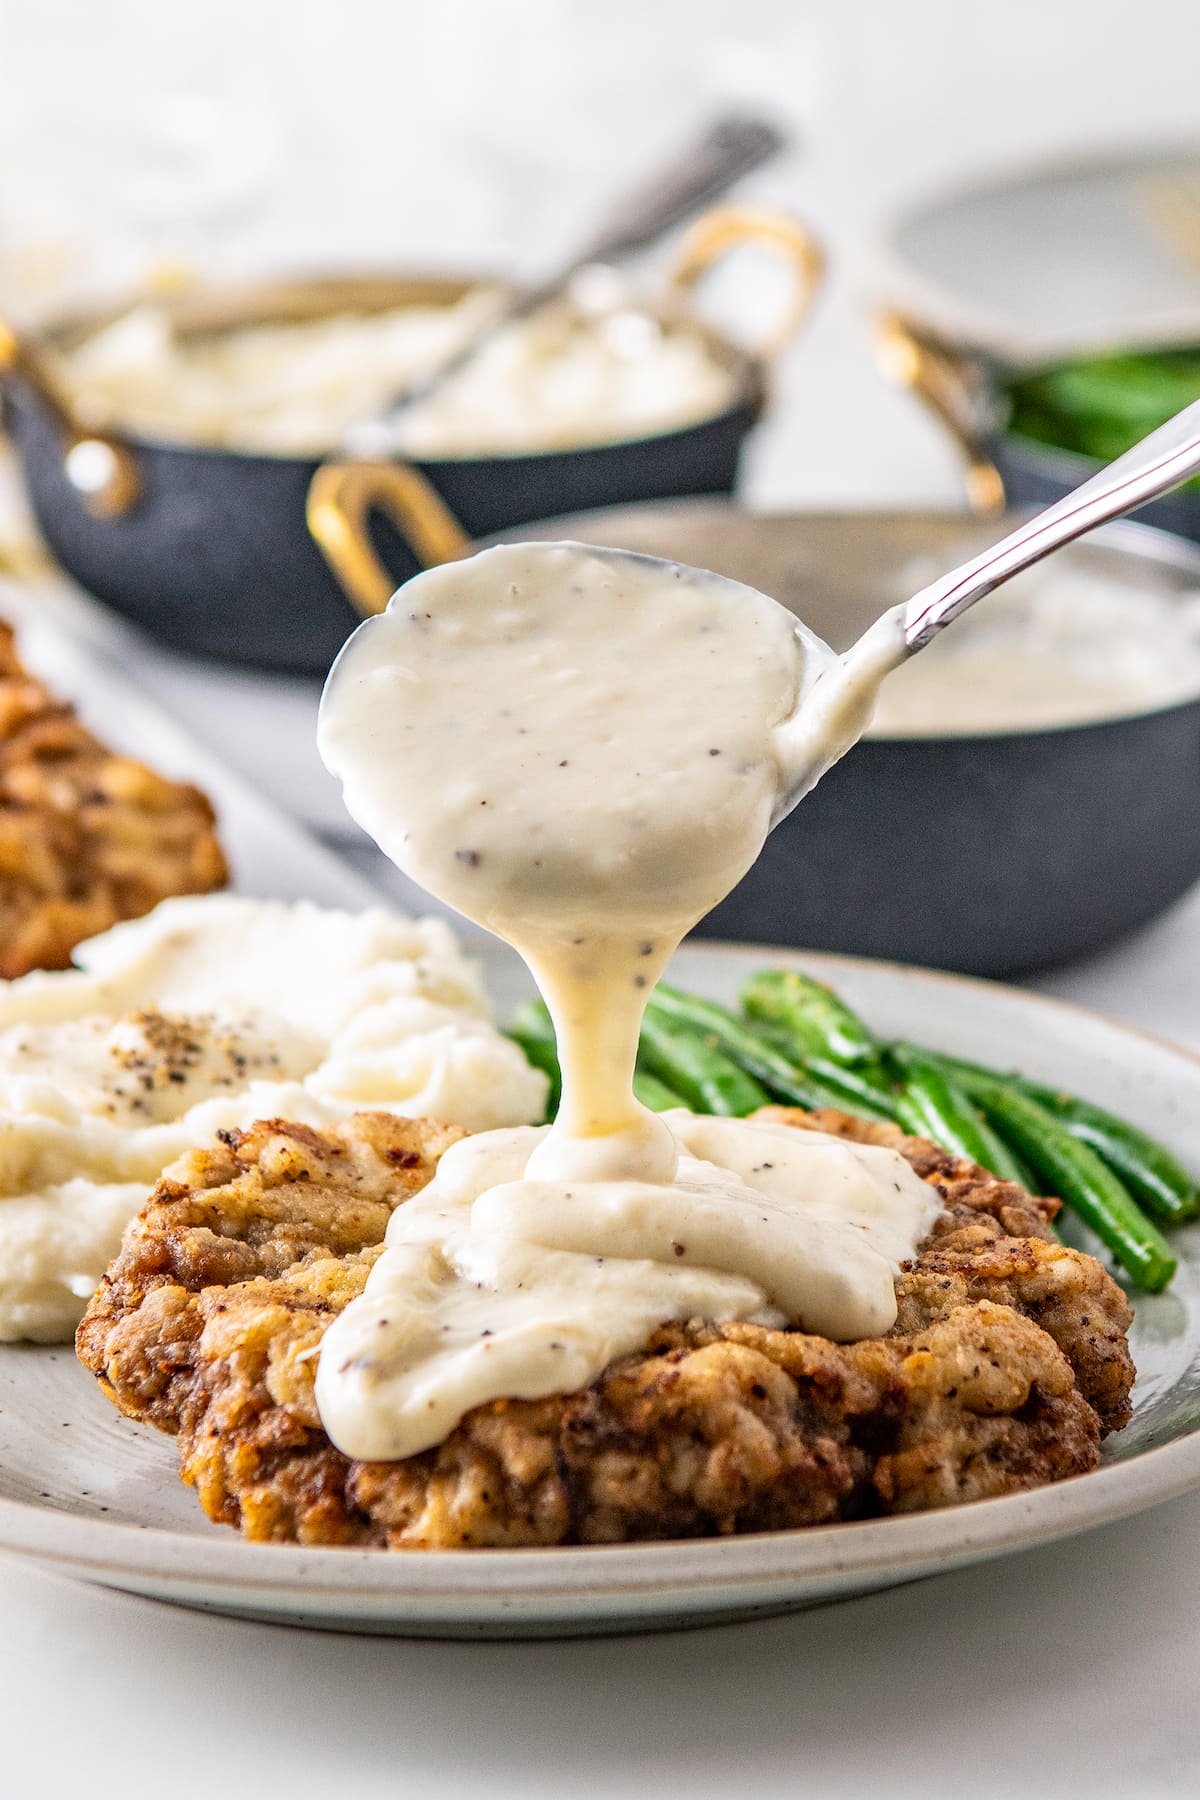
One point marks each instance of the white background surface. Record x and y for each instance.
(475, 131)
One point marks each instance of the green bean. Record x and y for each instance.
(1101, 405)
(944, 1112)
(655, 1093)
(866, 1090)
(1081, 1180)
(541, 1053)
(812, 1082)
(1156, 1179)
(830, 1042)
(758, 1056)
(533, 1029)
(813, 1086)
(695, 1065)
(532, 1019)
(815, 1018)
(863, 1086)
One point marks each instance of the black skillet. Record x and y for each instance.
(208, 548)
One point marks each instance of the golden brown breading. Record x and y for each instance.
(994, 1242)
(87, 838)
(276, 1201)
(1007, 1362)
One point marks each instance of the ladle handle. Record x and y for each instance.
(727, 149)
(1153, 466)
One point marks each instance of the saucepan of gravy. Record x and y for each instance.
(1027, 791)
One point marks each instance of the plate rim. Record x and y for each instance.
(115, 1552)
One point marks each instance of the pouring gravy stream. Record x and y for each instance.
(583, 752)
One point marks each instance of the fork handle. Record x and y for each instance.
(727, 149)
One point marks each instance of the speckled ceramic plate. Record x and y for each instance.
(87, 1493)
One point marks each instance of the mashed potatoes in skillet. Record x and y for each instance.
(204, 1016)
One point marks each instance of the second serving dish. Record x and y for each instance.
(169, 448)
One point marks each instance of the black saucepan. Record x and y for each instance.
(967, 388)
(208, 548)
(995, 855)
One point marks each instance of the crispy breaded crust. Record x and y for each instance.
(994, 1242)
(87, 838)
(1007, 1363)
(237, 1227)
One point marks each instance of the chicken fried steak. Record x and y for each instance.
(1007, 1364)
(87, 838)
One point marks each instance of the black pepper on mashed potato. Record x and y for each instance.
(202, 1017)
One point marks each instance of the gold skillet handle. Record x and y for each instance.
(341, 498)
(102, 470)
(941, 377)
(725, 229)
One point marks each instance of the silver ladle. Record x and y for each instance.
(837, 693)
(1152, 467)
(835, 707)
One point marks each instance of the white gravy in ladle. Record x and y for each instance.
(584, 752)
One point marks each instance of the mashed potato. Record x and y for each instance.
(553, 381)
(205, 1015)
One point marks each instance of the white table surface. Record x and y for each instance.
(1072, 1670)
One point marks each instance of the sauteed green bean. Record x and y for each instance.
(798, 1043)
